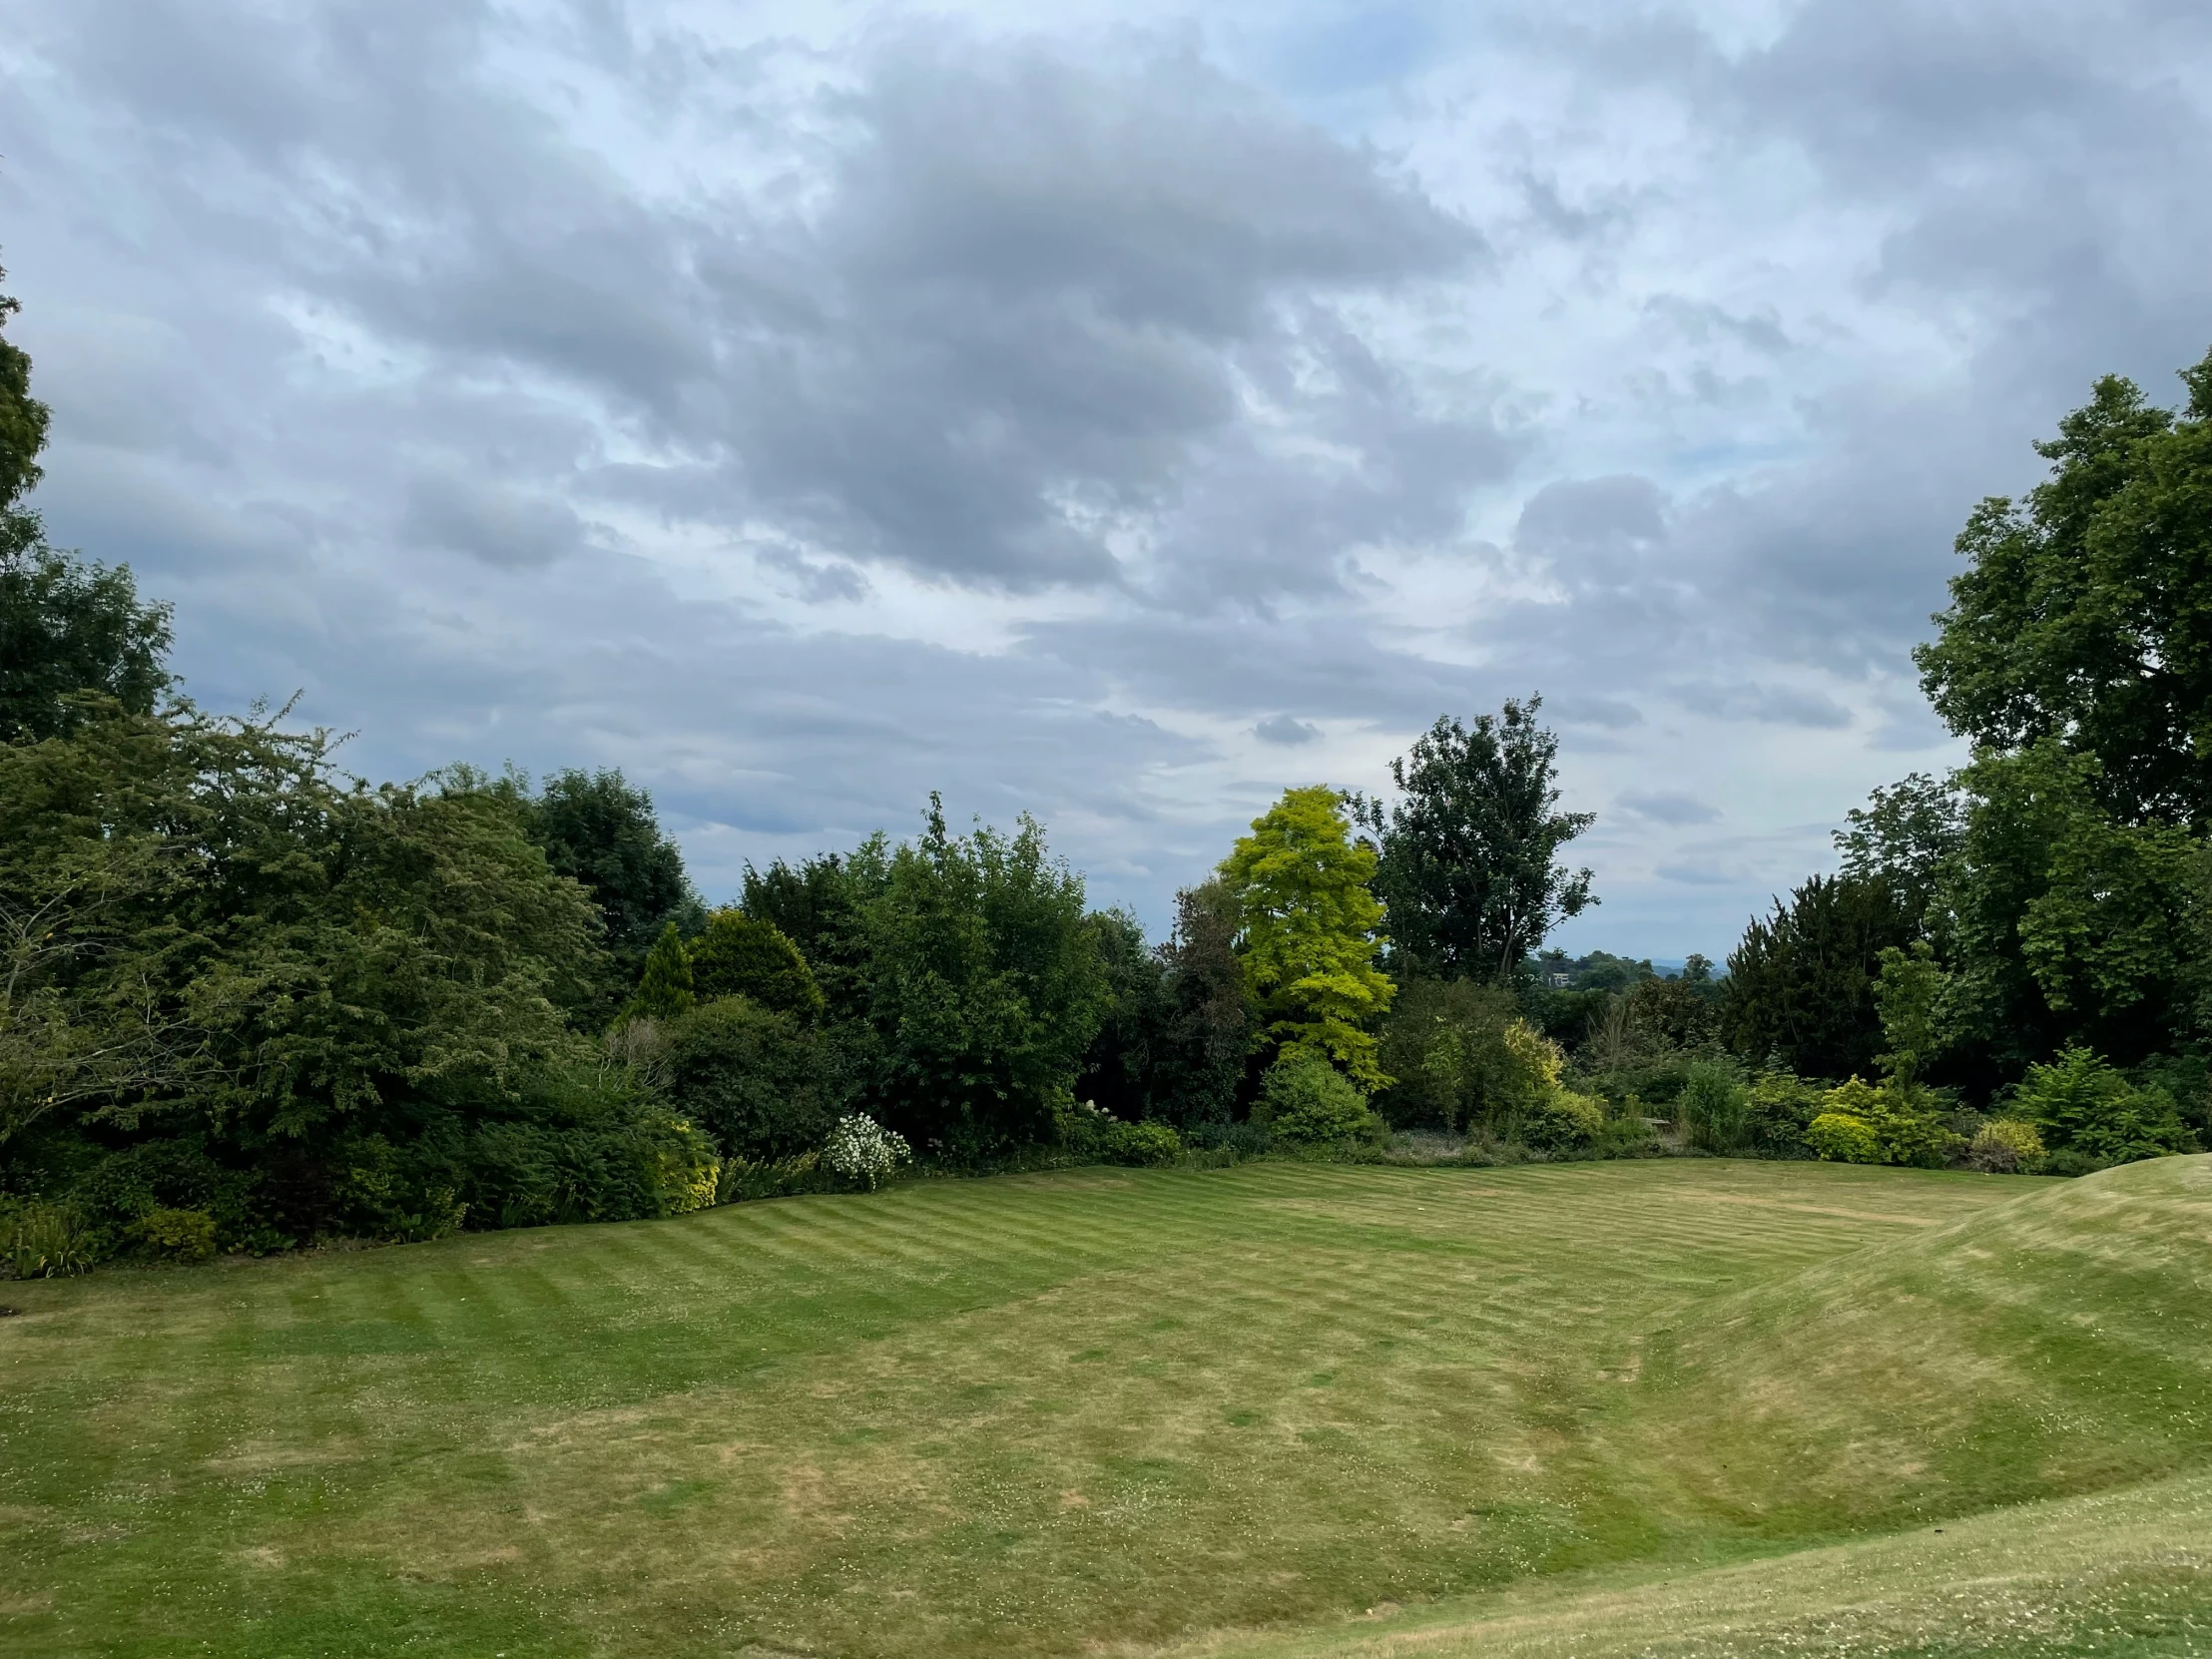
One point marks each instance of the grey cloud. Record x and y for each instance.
(1668, 807)
(500, 526)
(1767, 703)
(1283, 729)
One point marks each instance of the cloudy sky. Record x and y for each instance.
(805, 406)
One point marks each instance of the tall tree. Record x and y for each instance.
(598, 829)
(1800, 984)
(1309, 929)
(1469, 874)
(2085, 617)
(1207, 1020)
(66, 627)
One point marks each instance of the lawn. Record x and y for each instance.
(1256, 1410)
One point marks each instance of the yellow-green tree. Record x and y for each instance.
(1307, 930)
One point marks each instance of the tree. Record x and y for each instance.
(664, 992)
(23, 418)
(68, 628)
(1902, 837)
(818, 907)
(1207, 1022)
(1800, 984)
(1907, 991)
(2063, 923)
(736, 956)
(1469, 873)
(981, 982)
(596, 827)
(1120, 1071)
(1307, 929)
(2085, 618)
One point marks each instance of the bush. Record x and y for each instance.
(777, 1177)
(1305, 1101)
(1779, 1108)
(1714, 1108)
(1563, 1124)
(757, 1080)
(738, 955)
(177, 1235)
(2092, 1117)
(861, 1149)
(43, 1241)
(1145, 1144)
(626, 1167)
(2005, 1146)
(1841, 1138)
(1900, 1121)
(1443, 1047)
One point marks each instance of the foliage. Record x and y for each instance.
(23, 418)
(981, 983)
(1308, 926)
(1305, 1101)
(1563, 1124)
(39, 1239)
(2091, 1116)
(1860, 1123)
(1444, 1048)
(665, 993)
(1206, 1020)
(1091, 1132)
(1779, 1108)
(861, 1149)
(600, 830)
(1799, 986)
(1120, 1069)
(1844, 1138)
(1714, 1108)
(68, 629)
(1900, 838)
(177, 1235)
(818, 907)
(761, 1082)
(2082, 619)
(2005, 1146)
(738, 955)
(1906, 993)
(1469, 873)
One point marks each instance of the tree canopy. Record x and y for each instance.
(1469, 874)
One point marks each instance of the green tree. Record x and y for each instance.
(736, 956)
(1907, 992)
(598, 829)
(2085, 618)
(664, 992)
(1207, 1023)
(23, 418)
(1120, 1072)
(2092, 1116)
(68, 628)
(981, 982)
(2063, 923)
(1307, 929)
(1469, 875)
(1800, 984)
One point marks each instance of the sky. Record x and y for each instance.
(1114, 412)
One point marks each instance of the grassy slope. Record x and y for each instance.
(1032, 1414)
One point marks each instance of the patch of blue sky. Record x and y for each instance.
(1344, 66)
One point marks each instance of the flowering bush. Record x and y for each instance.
(861, 1149)
(2005, 1146)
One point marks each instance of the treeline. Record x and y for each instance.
(250, 1001)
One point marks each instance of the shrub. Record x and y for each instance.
(1713, 1108)
(2093, 1117)
(1899, 1119)
(1779, 1107)
(757, 1080)
(1147, 1143)
(1841, 1138)
(739, 955)
(177, 1235)
(1562, 1124)
(1305, 1101)
(44, 1241)
(2005, 1146)
(775, 1178)
(861, 1149)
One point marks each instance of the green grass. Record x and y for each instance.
(1545, 1409)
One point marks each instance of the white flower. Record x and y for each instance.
(861, 1149)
